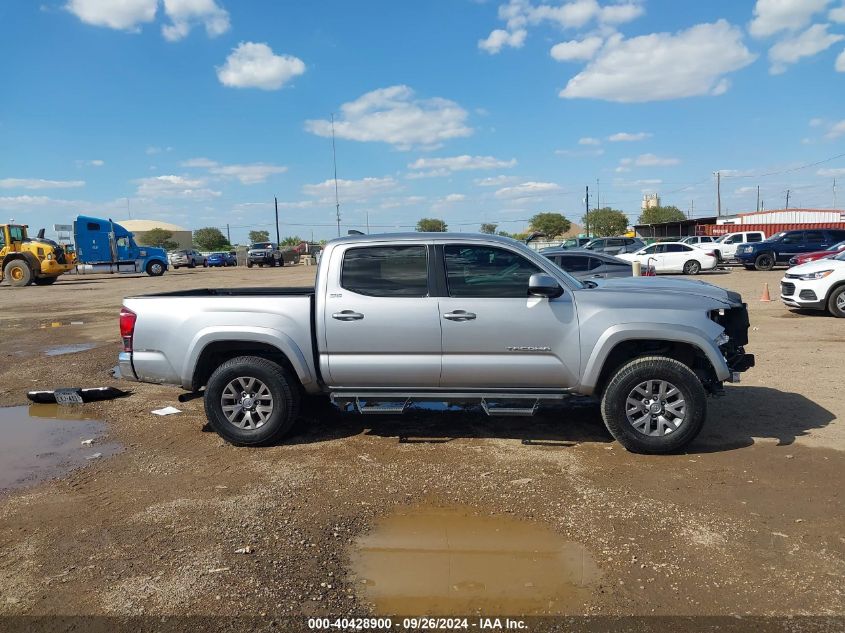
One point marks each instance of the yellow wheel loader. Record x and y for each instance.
(28, 260)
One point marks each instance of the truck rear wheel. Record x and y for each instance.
(251, 401)
(18, 273)
(654, 405)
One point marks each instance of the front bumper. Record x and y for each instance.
(804, 294)
(745, 258)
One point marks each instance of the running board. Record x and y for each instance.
(394, 403)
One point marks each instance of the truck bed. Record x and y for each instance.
(287, 291)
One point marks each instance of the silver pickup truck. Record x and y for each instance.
(396, 319)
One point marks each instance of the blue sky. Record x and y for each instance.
(198, 112)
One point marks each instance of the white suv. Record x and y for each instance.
(818, 285)
(726, 245)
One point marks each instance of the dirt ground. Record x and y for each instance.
(749, 521)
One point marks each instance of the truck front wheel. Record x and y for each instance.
(18, 273)
(251, 401)
(155, 269)
(654, 405)
(764, 261)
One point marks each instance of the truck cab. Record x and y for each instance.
(105, 246)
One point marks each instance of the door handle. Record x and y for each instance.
(347, 315)
(459, 315)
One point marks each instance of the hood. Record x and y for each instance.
(663, 285)
(152, 251)
(815, 266)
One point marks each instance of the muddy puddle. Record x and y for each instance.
(61, 350)
(450, 561)
(42, 441)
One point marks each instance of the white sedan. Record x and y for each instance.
(674, 257)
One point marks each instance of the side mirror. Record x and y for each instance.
(543, 285)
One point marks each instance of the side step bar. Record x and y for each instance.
(393, 403)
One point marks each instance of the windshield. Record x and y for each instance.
(264, 245)
(776, 237)
(840, 257)
(838, 246)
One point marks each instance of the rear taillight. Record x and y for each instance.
(127, 328)
(711, 253)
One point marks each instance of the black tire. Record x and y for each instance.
(44, 281)
(282, 387)
(614, 408)
(249, 264)
(18, 273)
(192, 264)
(155, 268)
(764, 261)
(718, 255)
(692, 267)
(836, 302)
(205, 263)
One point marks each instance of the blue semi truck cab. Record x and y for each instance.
(103, 246)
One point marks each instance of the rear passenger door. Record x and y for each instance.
(382, 327)
(790, 245)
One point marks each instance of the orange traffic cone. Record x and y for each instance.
(765, 296)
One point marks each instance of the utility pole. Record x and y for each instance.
(598, 195)
(787, 199)
(834, 193)
(691, 209)
(718, 194)
(278, 237)
(587, 205)
(228, 235)
(758, 198)
(368, 222)
(336, 195)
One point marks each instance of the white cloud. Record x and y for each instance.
(663, 66)
(254, 65)
(465, 162)
(152, 150)
(495, 181)
(125, 15)
(175, 187)
(831, 172)
(839, 65)
(351, 190)
(395, 203)
(589, 140)
(500, 38)
(250, 174)
(578, 13)
(811, 42)
(393, 115)
(527, 190)
(90, 163)
(621, 137)
(773, 16)
(576, 49)
(455, 197)
(650, 160)
(621, 13)
(184, 14)
(837, 15)
(39, 183)
(203, 163)
(836, 130)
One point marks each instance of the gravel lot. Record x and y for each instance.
(748, 521)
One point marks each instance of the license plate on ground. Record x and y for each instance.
(68, 396)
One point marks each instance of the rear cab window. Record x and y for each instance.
(386, 271)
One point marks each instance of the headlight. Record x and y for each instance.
(819, 274)
(49, 255)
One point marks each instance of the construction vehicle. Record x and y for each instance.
(28, 260)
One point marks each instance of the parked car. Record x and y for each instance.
(395, 319)
(726, 246)
(698, 240)
(585, 265)
(811, 257)
(783, 246)
(231, 259)
(674, 257)
(217, 260)
(816, 285)
(614, 245)
(269, 254)
(188, 258)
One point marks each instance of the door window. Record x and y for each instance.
(676, 248)
(575, 263)
(651, 250)
(386, 271)
(16, 234)
(616, 242)
(793, 238)
(483, 271)
(814, 236)
(754, 237)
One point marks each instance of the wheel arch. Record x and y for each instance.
(836, 286)
(622, 344)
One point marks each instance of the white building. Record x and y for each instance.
(650, 201)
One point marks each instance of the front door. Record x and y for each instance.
(382, 327)
(494, 334)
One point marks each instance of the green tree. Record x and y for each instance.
(550, 224)
(293, 240)
(162, 238)
(659, 215)
(431, 225)
(605, 222)
(489, 228)
(211, 239)
(259, 236)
